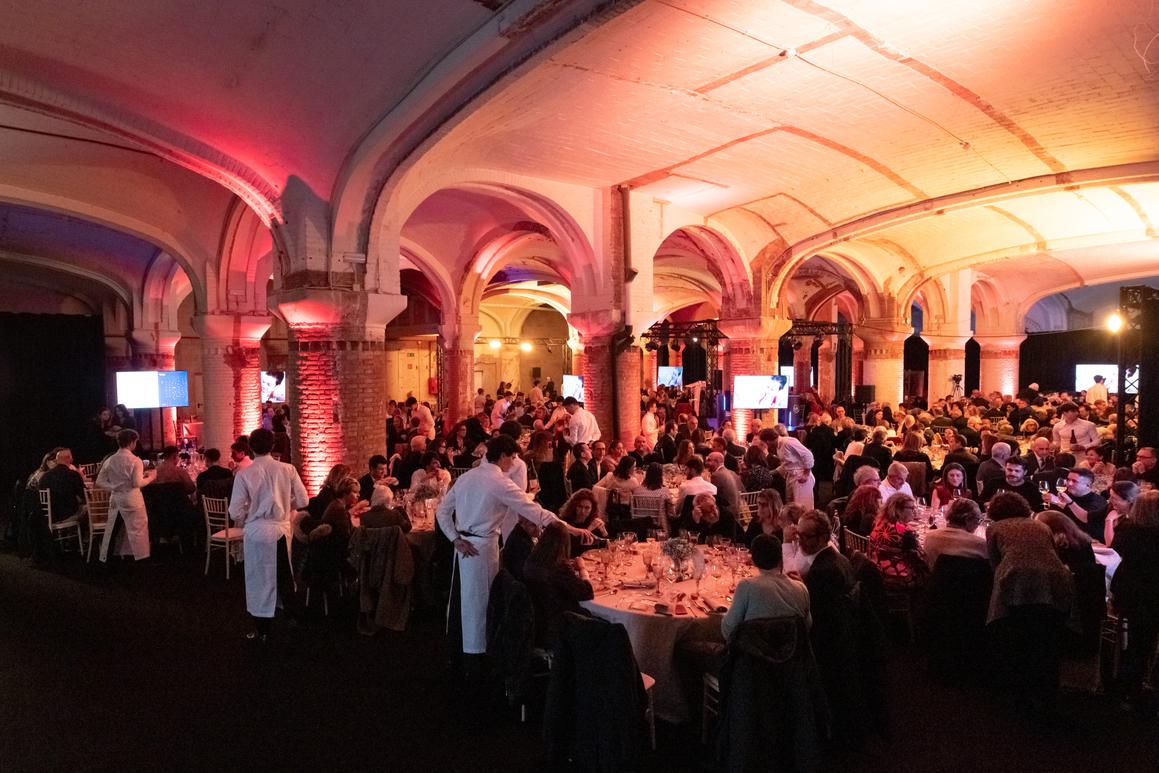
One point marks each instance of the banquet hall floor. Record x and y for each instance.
(104, 671)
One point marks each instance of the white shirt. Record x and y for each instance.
(480, 401)
(535, 395)
(1096, 392)
(498, 412)
(1085, 434)
(887, 490)
(517, 475)
(442, 477)
(582, 427)
(426, 421)
(478, 503)
(650, 428)
(266, 489)
(122, 472)
(245, 462)
(793, 454)
(691, 488)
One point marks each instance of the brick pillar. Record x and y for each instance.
(999, 363)
(884, 359)
(648, 369)
(628, 363)
(827, 369)
(577, 357)
(597, 372)
(802, 364)
(153, 350)
(947, 358)
(118, 356)
(337, 368)
(231, 375)
(751, 350)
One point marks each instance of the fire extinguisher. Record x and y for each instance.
(433, 385)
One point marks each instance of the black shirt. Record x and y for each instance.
(67, 489)
(1028, 490)
(1096, 508)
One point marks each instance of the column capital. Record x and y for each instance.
(939, 342)
(755, 327)
(460, 332)
(313, 307)
(595, 324)
(238, 328)
(1000, 345)
(149, 341)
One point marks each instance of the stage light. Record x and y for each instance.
(695, 340)
(525, 346)
(1115, 323)
(494, 343)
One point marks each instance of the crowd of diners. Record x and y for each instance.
(1030, 485)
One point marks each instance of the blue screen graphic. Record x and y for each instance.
(173, 388)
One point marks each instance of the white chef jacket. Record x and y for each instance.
(536, 395)
(1096, 392)
(478, 403)
(265, 495)
(1085, 432)
(123, 473)
(582, 427)
(426, 421)
(475, 509)
(794, 456)
(498, 412)
(650, 428)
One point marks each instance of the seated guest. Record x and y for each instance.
(958, 453)
(240, 455)
(877, 450)
(694, 482)
(1015, 481)
(1073, 544)
(958, 538)
(757, 475)
(767, 520)
(787, 520)
(431, 474)
(1145, 467)
(770, 593)
(729, 461)
(1135, 594)
(895, 481)
(1030, 601)
(1122, 495)
(1040, 458)
(862, 508)
(518, 546)
(1085, 507)
(383, 512)
(706, 519)
(168, 471)
(893, 547)
(556, 583)
(65, 485)
(377, 467)
(640, 453)
(318, 503)
(216, 480)
(412, 461)
(727, 482)
(684, 451)
(621, 482)
(994, 468)
(584, 472)
(582, 511)
(911, 451)
(952, 486)
(653, 489)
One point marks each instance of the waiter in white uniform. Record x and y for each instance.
(582, 426)
(471, 516)
(265, 495)
(123, 473)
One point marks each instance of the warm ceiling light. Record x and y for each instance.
(494, 343)
(525, 346)
(1115, 323)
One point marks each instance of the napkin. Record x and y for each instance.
(713, 604)
(638, 584)
(671, 609)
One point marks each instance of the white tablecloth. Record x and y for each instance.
(654, 636)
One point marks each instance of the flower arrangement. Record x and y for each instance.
(427, 490)
(680, 553)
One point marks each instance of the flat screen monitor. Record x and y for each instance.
(273, 386)
(787, 372)
(573, 386)
(1084, 377)
(153, 388)
(670, 376)
(761, 393)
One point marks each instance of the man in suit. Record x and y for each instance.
(666, 445)
(1040, 458)
(876, 449)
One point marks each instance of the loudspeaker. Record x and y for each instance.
(718, 380)
(535, 372)
(864, 393)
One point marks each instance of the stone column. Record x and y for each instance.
(802, 364)
(884, 358)
(648, 369)
(231, 375)
(827, 369)
(999, 363)
(751, 350)
(336, 372)
(456, 390)
(947, 358)
(577, 358)
(611, 378)
(153, 350)
(118, 357)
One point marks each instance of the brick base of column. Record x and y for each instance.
(231, 379)
(456, 393)
(597, 372)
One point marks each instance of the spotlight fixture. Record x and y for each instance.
(1115, 322)
(494, 343)
(525, 346)
(796, 344)
(695, 339)
(675, 346)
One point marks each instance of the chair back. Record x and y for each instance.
(97, 502)
(46, 504)
(748, 507)
(216, 511)
(855, 542)
(647, 507)
(457, 471)
(917, 478)
(90, 471)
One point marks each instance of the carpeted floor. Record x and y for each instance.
(124, 671)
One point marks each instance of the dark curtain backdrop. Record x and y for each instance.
(51, 385)
(1049, 358)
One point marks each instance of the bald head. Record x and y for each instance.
(714, 461)
(1000, 452)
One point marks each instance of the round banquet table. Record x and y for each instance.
(654, 636)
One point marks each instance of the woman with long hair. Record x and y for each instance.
(767, 520)
(1122, 495)
(1073, 544)
(653, 490)
(952, 486)
(684, 451)
(757, 475)
(328, 493)
(862, 508)
(557, 584)
(911, 451)
(1135, 592)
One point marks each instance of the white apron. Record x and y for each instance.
(129, 506)
(799, 493)
(476, 573)
(260, 542)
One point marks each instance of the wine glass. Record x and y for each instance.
(1044, 487)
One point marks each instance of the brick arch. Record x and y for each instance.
(165, 285)
(722, 259)
(779, 270)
